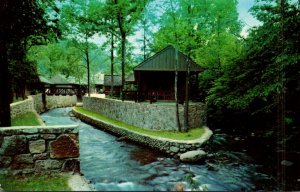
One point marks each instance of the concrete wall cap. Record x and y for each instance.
(38, 127)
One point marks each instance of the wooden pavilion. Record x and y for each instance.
(63, 86)
(155, 76)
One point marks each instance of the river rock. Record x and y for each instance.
(72, 165)
(16, 144)
(38, 146)
(5, 161)
(24, 158)
(174, 149)
(42, 165)
(122, 138)
(179, 187)
(58, 148)
(192, 156)
(286, 163)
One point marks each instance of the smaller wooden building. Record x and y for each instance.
(155, 77)
(63, 86)
(117, 82)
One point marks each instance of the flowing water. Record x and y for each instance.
(119, 165)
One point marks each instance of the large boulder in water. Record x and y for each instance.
(192, 156)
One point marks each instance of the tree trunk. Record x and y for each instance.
(281, 128)
(5, 120)
(112, 65)
(144, 39)
(88, 69)
(176, 90)
(123, 41)
(187, 84)
(176, 68)
(121, 25)
(186, 103)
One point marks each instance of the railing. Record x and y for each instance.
(152, 96)
(159, 95)
(130, 95)
(63, 91)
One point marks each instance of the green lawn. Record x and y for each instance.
(162, 102)
(26, 119)
(35, 183)
(17, 100)
(190, 135)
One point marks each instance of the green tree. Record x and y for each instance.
(259, 92)
(207, 31)
(109, 28)
(126, 13)
(268, 65)
(22, 24)
(263, 82)
(55, 58)
(146, 25)
(78, 21)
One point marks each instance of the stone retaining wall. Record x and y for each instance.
(39, 150)
(145, 115)
(38, 103)
(35, 103)
(21, 107)
(168, 146)
(56, 101)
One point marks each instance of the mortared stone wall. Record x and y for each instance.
(39, 149)
(149, 116)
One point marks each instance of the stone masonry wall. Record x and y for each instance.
(145, 115)
(34, 102)
(39, 150)
(21, 107)
(168, 146)
(37, 103)
(56, 101)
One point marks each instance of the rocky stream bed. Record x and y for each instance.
(110, 164)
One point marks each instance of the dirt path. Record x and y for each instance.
(79, 183)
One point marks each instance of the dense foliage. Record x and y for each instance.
(265, 77)
(66, 58)
(258, 93)
(22, 24)
(28, 24)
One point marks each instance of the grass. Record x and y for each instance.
(190, 135)
(26, 119)
(17, 100)
(35, 183)
(171, 102)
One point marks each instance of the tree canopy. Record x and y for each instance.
(22, 24)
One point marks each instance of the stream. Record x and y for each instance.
(112, 165)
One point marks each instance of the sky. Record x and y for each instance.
(245, 16)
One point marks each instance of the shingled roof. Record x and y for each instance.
(59, 79)
(117, 80)
(164, 60)
(44, 80)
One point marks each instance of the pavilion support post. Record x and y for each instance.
(44, 101)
